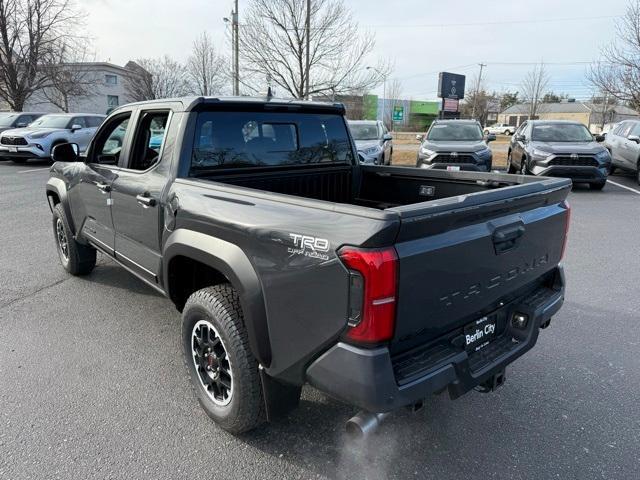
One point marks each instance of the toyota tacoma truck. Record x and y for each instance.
(293, 264)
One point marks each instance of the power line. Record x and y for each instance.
(499, 22)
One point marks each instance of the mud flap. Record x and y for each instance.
(279, 398)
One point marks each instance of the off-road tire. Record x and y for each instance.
(79, 259)
(220, 306)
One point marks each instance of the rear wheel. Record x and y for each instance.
(77, 259)
(223, 371)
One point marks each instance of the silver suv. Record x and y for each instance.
(623, 142)
(38, 139)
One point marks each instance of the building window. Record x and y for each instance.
(113, 101)
(111, 79)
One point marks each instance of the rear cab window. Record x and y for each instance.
(235, 140)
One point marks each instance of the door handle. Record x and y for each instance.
(507, 238)
(146, 200)
(103, 187)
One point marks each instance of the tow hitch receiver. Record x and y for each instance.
(492, 383)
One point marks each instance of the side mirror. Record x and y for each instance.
(75, 127)
(491, 137)
(600, 138)
(521, 138)
(634, 138)
(387, 137)
(65, 152)
(419, 137)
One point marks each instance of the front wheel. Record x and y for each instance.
(223, 371)
(508, 133)
(77, 259)
(510, 168)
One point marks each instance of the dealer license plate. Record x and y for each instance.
(479, 333)
(13, 149)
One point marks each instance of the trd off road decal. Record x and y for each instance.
(312, 247)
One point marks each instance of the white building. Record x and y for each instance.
(107, 89)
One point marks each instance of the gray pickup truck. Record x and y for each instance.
(292, 263)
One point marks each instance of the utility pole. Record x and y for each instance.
(475, 96)
(308, 65)
(236, 51)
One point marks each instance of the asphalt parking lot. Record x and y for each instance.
(92, 383)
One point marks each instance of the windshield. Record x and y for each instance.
(51, 121)
(457, 132)
(7, 119)
(561, 132)
(362, 131)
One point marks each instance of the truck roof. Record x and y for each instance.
(195, 103)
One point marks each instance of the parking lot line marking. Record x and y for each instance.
(625, 187)
(47, 168)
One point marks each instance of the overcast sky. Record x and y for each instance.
(423, 37)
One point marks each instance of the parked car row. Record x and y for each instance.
(623, 143)
(33, 135)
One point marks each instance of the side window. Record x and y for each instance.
(521, 129)
(626, 129)
(78, 121)
(108, 144)
(636, 129)
(93, 122)
(148, 140)
(24, 120)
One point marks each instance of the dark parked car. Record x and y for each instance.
(555, 148)
(373, 141)
(623, 142)
(292, 263)
(10, 120)
(456, 145)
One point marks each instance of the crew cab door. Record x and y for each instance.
(137, 192)
(91, 196)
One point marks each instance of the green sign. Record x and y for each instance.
(398, 113)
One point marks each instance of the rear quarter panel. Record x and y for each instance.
(304, 289)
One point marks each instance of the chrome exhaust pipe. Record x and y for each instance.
(364, 423)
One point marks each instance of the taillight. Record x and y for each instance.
(566, 227)
(373, 278)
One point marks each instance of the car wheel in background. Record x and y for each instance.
(523, 167)
(77, 259)
(390, 157)
(508, 133)
(486, 132)
(19, 161)
(597, 186)
(223, 371)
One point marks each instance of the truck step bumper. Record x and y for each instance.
(371, 379)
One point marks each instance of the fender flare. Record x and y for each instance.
(232, 262)
(58, 187)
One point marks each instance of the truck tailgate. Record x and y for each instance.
(460, 257)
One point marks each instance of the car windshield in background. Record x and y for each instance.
(363, 131)
(7, 119)
(51, 121)
(246, 139)
(561, 132)
(455, 132)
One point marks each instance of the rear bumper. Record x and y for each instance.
(372, 380)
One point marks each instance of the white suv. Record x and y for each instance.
(500, 129)
(38, 139)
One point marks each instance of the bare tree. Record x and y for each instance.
(69, 79)
(205, 68)
(533, 88)
(151, 78)
(618, 73)
(273, 45)
(393, 94)
(31, 35)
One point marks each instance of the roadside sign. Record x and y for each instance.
(398, 113)
(451, 85)
(450, 105)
